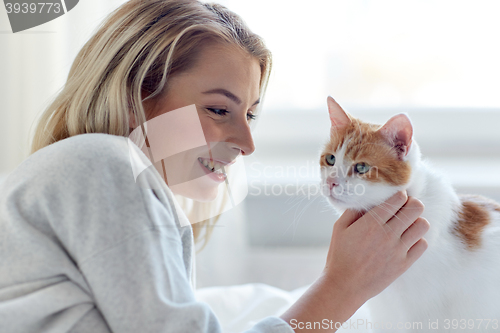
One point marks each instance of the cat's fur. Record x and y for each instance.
(458, 276)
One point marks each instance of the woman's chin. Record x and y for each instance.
(200, 189)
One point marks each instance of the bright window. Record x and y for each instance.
(380, 53)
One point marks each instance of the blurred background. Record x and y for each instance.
(436, 60)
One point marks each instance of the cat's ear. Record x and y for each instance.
(398, 131)
(338, 116)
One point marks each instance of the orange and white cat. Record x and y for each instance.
(455, 285)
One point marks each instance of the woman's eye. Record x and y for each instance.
(251, 116)
(330, 159)
(362, 168)
(219, 112)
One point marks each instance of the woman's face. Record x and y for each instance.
(224, 87)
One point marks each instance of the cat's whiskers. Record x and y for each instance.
(296, 205)
(298, 216)
(327, 207)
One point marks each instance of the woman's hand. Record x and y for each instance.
(367, 253)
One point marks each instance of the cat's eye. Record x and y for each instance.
(361, 168)
(330, 159)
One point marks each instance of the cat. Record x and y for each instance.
(455, 285)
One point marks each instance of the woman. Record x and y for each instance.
(88, 245)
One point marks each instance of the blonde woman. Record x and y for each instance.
(86, 247)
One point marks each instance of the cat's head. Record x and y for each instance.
(363, 164)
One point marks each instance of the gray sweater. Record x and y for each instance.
(85, 248)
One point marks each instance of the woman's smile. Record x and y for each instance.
(214, 169)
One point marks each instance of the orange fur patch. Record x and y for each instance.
(473, 216)
(365, 144)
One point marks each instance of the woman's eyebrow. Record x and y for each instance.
(228, 94)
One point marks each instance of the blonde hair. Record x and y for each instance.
(134, 51)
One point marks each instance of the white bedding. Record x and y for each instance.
(239, 307)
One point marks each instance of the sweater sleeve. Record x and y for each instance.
(126, 242)
(141, 286)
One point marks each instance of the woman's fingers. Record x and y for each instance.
(382, 213)
(412, 209)
(415, 232)
(347, 218)
(361, 258)
(416, 251)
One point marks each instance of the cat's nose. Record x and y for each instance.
(332, 182)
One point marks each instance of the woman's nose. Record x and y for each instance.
(243, 139)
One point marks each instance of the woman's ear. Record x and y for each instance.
(149, 106)
(132, 123)
(338, 116)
